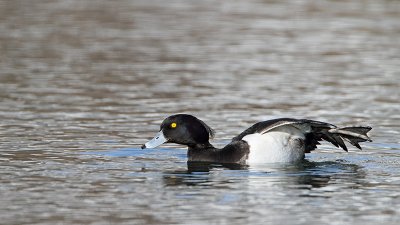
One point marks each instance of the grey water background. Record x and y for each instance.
(84, 83)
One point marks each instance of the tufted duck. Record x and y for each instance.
(279, 140)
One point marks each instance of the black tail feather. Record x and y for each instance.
(353, 135)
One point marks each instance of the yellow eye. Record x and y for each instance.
(173, 125)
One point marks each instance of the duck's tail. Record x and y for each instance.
(353, 135)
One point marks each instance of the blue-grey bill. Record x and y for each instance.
(158, 140)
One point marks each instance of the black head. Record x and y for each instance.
(181, 129)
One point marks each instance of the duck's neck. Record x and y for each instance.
(204, 152)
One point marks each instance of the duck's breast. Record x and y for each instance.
(283, 144)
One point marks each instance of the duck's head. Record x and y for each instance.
(181, 129)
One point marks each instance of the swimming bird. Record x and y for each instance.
(283, 140)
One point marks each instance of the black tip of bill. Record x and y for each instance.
(143, 146)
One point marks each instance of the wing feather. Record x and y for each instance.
(314, 131)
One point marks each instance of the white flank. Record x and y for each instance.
(282, 144)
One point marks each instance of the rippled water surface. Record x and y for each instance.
(84, 83)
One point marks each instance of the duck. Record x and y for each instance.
(281, 140)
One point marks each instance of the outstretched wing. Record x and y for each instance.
(314, 132)
(265, 126)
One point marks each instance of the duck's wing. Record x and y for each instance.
(314, 132)
(265, 126)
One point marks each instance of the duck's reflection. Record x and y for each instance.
(303, 175)
(207, 167)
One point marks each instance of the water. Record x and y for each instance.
(84, 84)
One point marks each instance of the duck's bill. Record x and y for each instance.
(158, 140)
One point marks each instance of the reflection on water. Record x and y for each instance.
(303, 175)
(84, 84)
(206, 167)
